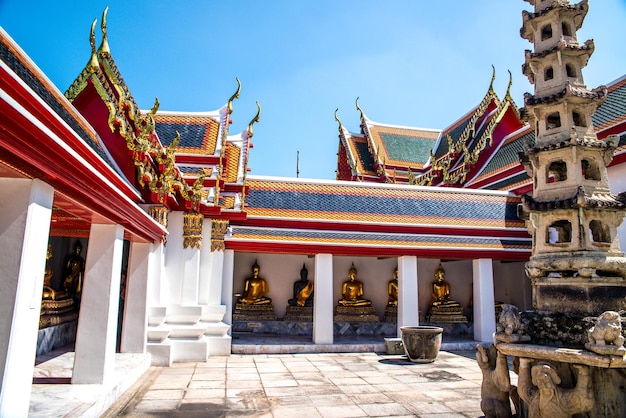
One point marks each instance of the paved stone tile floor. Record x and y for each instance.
(309, 385)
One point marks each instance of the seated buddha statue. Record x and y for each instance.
(441, 290)
(392, 289)
(352, 291)
(48, 291)
(255, 289)
(302, 290)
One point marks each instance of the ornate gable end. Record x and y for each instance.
(102, 97)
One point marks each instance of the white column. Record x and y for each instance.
(228, 273)
(135, 323)
(25, 212)
(323, 305)
(182, 265)
(173, 260)
(206, 261)
(211, 269)
(484, 312)
(158, 287)
(408, 312)
(94, 359)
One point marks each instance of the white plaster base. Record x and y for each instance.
(220, 346)
(183, 351)
(161, 354)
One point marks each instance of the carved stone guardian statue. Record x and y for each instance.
(539, 388)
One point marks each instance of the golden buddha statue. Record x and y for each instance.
(392, 289)
(255, 289)
(443, 309)
(48, 291)
(302, 290)
(352, 291)
(441, 289)
(56, 306)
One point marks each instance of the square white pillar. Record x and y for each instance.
(228, 274)
(484, 304)
(135, 323)
(182, 265)
(94, 360)
(157, 285)
(408, 312)
(211, 269)
(323, 306)
(25, 212)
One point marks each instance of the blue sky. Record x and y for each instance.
(411, 63)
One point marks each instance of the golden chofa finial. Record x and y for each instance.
(93, 65)
(234, 96)
(508, 89)
(340, 129)
(359, 109)
(493, 77)
(104, 46)
(255, 119)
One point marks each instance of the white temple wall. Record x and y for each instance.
(511, 284)
(617, 184)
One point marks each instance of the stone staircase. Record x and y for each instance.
(187, 333)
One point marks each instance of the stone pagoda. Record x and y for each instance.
(577, 265)
(568, 352)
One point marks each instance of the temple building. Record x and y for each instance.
(138, 236)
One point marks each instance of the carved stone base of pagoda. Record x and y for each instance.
(254, 312)
(391, 314)
(569, 294)
(356, 314)
(299, 313)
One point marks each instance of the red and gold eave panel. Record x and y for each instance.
(307, 241)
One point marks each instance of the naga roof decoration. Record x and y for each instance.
(180, 159)
(296, 215)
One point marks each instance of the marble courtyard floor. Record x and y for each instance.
(309, 385)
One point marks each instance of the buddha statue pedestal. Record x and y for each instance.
(356, 314)
(57, 311)
(262, 312)
(299, 314)
(446, 314)
(391, 314)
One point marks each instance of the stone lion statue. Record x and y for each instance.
(606, 334)
(509, 327)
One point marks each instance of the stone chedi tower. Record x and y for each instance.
(577, 269)
(577, 266)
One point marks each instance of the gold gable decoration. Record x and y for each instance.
(219, 227)
(192, 230)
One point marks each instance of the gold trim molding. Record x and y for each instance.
(219, 227)
(192, 230)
